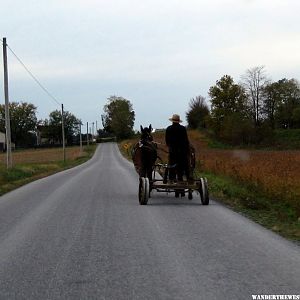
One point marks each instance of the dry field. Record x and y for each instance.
(276, 173)
(29, 165)
(41, 155)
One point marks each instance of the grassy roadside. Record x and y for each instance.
(25, 172)
(247, 199)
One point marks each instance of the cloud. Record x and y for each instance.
(163, 51)
(282, 51)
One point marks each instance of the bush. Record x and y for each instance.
(236, 130)
(264, 134)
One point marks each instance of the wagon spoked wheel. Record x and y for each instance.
(203, 190)
(143, 191)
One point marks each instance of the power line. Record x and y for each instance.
(34, 78)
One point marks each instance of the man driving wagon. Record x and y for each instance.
(177, 174)
(178, 144)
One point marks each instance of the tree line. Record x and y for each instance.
(117, 120)
(247, 112)
(25, 126)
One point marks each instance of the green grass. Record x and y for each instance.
(287, 138)
(22, 174)
(253, 203)
(283, 139)
(215, 144)
(212, 142)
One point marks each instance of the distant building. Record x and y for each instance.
(43, 138)
(40, 132)
(2, 141)
(159, 130)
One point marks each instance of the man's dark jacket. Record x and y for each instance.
(178, 143)
(177, 139)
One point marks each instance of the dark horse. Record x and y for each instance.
(144, 153)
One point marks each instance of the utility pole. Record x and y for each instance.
(87, 133)
(63, 131)
(93, 133)
(7, 118)
(80, 137)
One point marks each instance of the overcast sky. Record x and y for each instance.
(157, 54)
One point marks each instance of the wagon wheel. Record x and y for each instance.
(143, 190)
(206, 188)
(203, 190)
(150, 187)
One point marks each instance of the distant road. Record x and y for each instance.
(81, 234)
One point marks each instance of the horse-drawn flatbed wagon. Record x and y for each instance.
(155, 176)
(180, 188)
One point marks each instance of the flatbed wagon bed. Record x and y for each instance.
(165, 185)
(160, 184)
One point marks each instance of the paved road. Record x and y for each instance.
(81, 234)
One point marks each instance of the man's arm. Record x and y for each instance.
(185, 138)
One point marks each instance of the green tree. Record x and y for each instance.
(118, 118)
(289, 100)
(23, 122)
(296, 117)
(197, 113)
(227, 98)
(53, 129)
(271, 100)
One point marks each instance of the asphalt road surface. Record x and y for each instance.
(81, 234)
